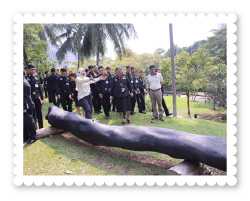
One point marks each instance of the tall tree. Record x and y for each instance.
(192, 72)
(217, 45)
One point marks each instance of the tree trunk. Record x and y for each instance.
(78, 66)
(195, 95)
(25, 57)
(186, 168)
(188, 104)
(209, 150)
(98, 55)
(43, 132)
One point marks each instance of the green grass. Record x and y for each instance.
(60, 153)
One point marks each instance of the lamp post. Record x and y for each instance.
(173, 68)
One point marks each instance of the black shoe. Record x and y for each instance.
(169, 114)
(144, 112)
(97, 112)
(129, 121)
(123, 122)
(25, 140)
(31, 141)
(132, 113)
(107, 117)
(100, 111)
(124, 117)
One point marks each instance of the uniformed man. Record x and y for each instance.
(143, 91)
(74, 92)
(99, 101)
(103, 89)
(122, 91)
(51, 81)
(63, 90)
(26, 70)
(45, 84)
(108, 69)
(93, 88)
(29, 128)
(136, 91)
(36, 94)
(57, 72)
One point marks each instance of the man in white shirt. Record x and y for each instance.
(83, 88)
(155, 83)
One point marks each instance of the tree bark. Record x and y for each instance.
(209, 150)
(25, 56)
(188, 104)
(98, 55)
(186, 168)
(43, 132)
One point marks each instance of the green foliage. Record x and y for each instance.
(217, 87)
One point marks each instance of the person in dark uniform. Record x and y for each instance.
(40, 77)
(143, 91)
(26, 70)
(122, 91)
(103, 89)
(45, 84)
(108, 69)
(36, 94)
(51, 81)
(136, 91)
(87, 71)
(74, 92)
(63, 90)
(57, 72)
(163, 100)
(99, 100)
(93, 89)
(29, 127)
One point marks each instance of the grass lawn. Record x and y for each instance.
(66, 155)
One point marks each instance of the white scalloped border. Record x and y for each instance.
(19, 179)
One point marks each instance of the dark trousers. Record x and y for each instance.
(142, 102)
(113, 103)
(165, 107)
(139, 102)
(66, 101)
(37, 114)
(46, 92)
(133, 101)
(95, 98)
(106, 103)
(29, 127)
(52, 97)
(86, 104)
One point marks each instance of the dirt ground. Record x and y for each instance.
(147, 160)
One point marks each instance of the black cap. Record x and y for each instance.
(108, 67)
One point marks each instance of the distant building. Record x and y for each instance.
(68, 57)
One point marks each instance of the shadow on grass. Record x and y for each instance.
(114, 161)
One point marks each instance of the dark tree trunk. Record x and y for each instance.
(188, 104)
(209, 150)
(98, 55)
(26, 62)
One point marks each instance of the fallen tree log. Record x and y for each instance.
(209, 150)
(43, 132)
(186, 168)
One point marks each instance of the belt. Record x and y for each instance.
(155, 90)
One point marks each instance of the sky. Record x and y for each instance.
(152, 36)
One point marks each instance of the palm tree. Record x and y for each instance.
(88, 40)
(96, 36)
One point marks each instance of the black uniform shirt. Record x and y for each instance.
(94, 75)
(103, 86)
(120, 87)
(36, 87)
(62, 85)
(51, 81)
(142, 85)
(27, 101)
(134, 82)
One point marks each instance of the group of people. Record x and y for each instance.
(90, 88)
